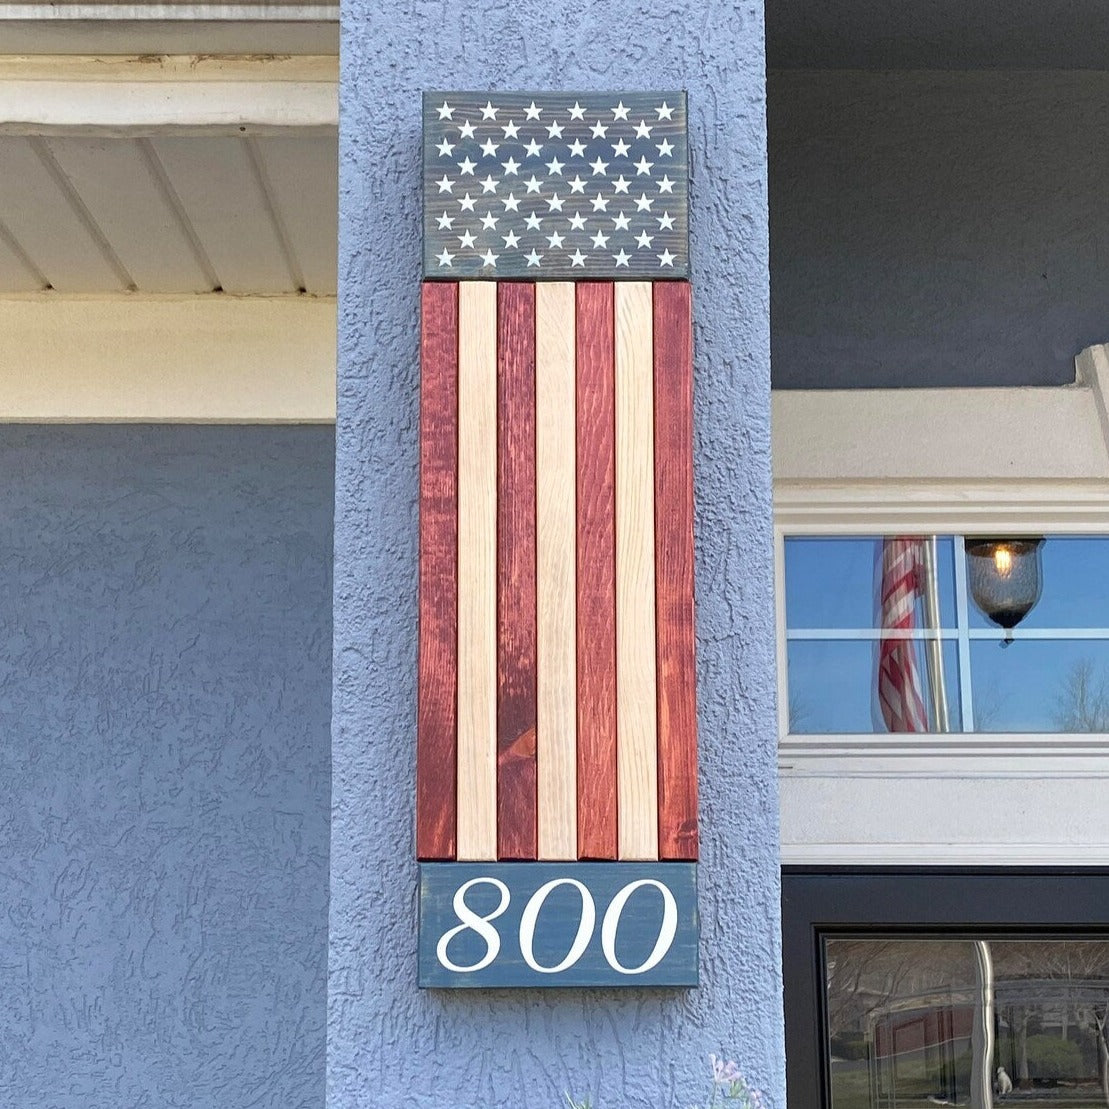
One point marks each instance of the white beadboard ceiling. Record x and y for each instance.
(253, 214)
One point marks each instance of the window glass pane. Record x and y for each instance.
(834, 582)
(916, 1022)
(1075, 579)
(1040, 685)
(833, 686)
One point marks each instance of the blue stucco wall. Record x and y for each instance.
(388, 1044)
(164, 766)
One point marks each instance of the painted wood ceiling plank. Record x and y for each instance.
(304, 175)
(17, 272)
(39, 215)
(124, 196)
(227, 208)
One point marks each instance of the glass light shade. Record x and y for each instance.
(1005, 577)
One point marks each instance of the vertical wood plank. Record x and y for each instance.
(637, 748)
(438, 642)
(555, 525)
(516, 707)
(677, 677)
(596, 573)
(477, 570)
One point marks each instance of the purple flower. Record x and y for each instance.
(724, 1073)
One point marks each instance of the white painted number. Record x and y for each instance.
(666, 933)
(472, 922)
(531, 915)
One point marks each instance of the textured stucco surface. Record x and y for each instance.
(164, 767)
(389, 1044)
(937, 228)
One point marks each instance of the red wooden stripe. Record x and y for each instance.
(677, 687)
(438, 643)
(516, 629)
(596, 573)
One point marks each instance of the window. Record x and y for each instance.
(946, 633)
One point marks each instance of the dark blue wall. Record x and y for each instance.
(165, 645)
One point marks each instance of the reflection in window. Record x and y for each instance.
(974, 1022)
(884, 635)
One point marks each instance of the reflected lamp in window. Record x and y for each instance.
(947, 633)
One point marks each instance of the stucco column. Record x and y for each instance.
(388, 1043)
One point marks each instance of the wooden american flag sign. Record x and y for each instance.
(557, 688)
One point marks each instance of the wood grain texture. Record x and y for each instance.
(438, 642)
(677, 676)
(596, 573)
(556, 536)
(477, 570)
(636, 698)
(516, 708)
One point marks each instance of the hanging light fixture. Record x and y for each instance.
(1005, 577)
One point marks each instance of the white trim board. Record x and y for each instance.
(204, 359)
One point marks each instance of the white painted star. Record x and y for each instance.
(489, 185)
(642, 167)
(532, 111)
(665, 259)
(554, 204)
(620, 185)
(621, 221)
(532, 184)
(577, 221)
(445, 149)
(489, 148)
(619, 112)
(666, 185)
(642, 131)
(665, 112)
(466, 131)
(665, 222)
(532, 149)
(511, 130)
(600, 240)
(445, 259)
(466, 166)
(489, 259)
(599, 167)
(555, 240)
(599, 130)
(533, 258)
(665, 149)
(446, 222)
(466, 203)
(488, 221)
(577, 258)
(577, 185)
(446, 111)
(445, 185)
(467, 238)
(511, 204)
(577, 111)
(489, 112)
(534, 222)
(621, 257)
(620, 149)
(511, 239)
(600, 204)
(511, 167)
(554, 166)
(644, 239)
(577, 149)
(643, 204)
(554, 131)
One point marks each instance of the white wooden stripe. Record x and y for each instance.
(556, 537)
(636, 686)
(477, 570)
